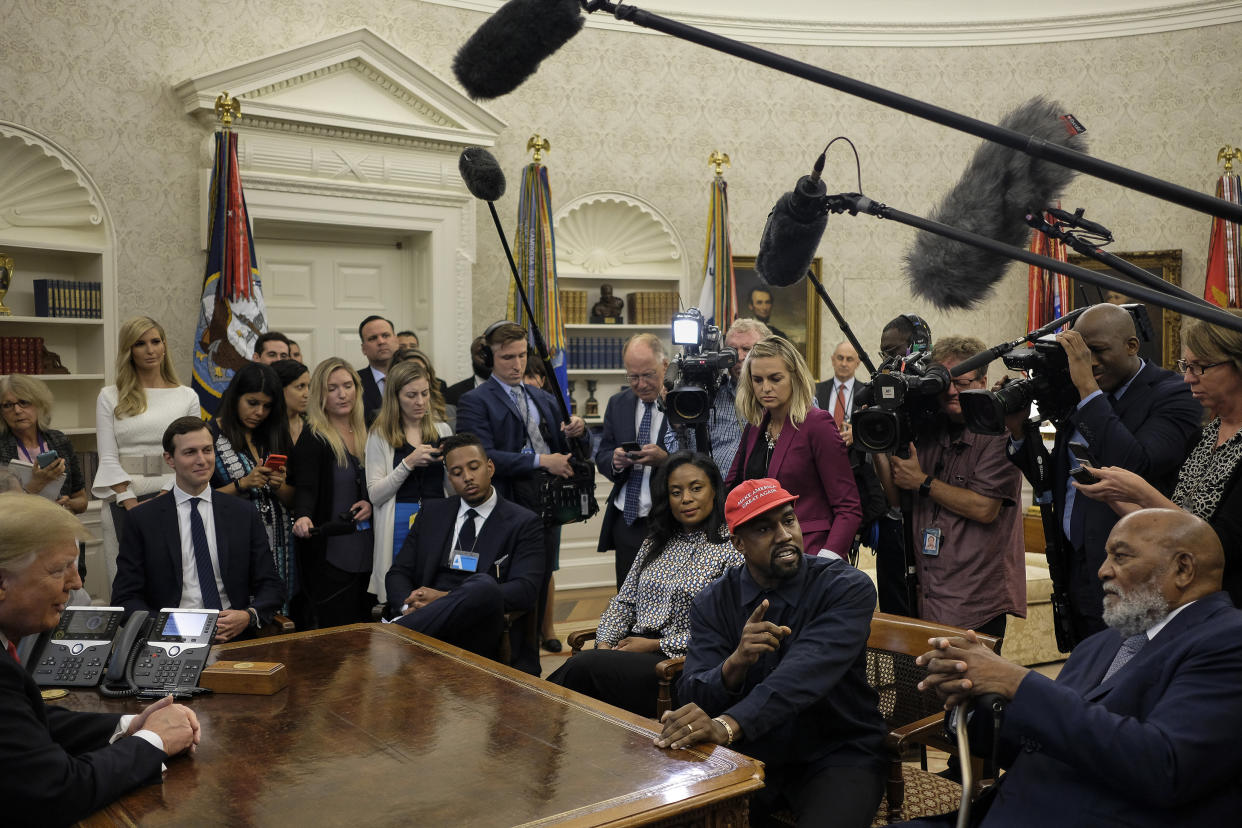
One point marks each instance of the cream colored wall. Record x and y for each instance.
(637, 113)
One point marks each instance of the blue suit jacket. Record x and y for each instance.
(148, 569)
(619, 428)
(490, 414)
(1154, 745)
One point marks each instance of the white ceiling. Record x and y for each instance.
(922, 22)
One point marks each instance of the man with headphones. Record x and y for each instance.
(520, 427)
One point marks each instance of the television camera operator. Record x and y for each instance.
(1119, 411)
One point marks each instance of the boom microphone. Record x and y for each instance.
(999, 188)
(793, 230)
(482, 173)
(510, 45)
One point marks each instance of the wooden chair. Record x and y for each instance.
(279, 625)
(666, 671)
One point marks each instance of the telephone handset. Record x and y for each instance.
(74, 652)
(165, 654)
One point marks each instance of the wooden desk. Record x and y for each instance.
(383, 726)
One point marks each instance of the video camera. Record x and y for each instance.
(905, 391)
(1047, 383)
(698, 372)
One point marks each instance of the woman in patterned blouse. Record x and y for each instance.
(1209, 484)
(649, 619)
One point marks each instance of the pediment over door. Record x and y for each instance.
(352, 111)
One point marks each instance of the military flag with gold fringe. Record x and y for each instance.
(718, 297)
(1225, 243)
(1048, 295)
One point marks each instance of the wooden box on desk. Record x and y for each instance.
(251, 678)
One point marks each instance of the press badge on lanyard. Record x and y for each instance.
(464, 561)
(931, 542)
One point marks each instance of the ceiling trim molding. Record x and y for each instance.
(1140, 20)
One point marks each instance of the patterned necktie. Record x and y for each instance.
(838, 410)
(634, 486)
(202, 558)
(1129, 648)
(537, 442)
(465, 538)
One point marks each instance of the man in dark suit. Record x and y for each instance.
(468, 560)
(195, 548)
(479, 374)
(520, 427)
(379, 343)
(836, 395)
(60, 766)
(1140, 726)
(1130, 414)
(633, 415)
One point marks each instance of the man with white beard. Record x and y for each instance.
(1140, 727)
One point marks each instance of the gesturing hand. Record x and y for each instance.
(758, 637)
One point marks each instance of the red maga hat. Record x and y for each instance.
(752, 498)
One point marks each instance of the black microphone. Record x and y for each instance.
(793, 231)
(981, 359)
(510, 45)
(1075, 219)
(482, 173)
(999, 188)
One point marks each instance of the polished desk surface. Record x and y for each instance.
(383, 726)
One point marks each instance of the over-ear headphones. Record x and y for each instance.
(921, 339)
(489, 359)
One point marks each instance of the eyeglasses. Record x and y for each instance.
(966, 383)
(11, 404)
(1195, 368)
(635, 379)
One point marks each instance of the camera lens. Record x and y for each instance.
(876, 430)
(985, 411)
(688, 405)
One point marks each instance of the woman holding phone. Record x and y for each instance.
(403, 462)
(26, 434)
(252, 444)
(332, 516)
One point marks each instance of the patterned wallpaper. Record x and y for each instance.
(637, 113)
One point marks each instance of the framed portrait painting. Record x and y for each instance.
(791, 312)
(1165, 347)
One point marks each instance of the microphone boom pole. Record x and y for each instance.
(854, 203)
(845, 326)
(1029, 144)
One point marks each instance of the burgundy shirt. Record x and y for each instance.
(981, 569)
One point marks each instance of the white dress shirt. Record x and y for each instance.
(644, 498)
(191, 593)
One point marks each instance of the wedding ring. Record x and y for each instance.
(689, 728)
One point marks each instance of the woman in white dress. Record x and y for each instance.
(130, 418)
(403, 461)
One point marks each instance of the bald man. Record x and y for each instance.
(1140, 727)
(1131, 414)
(836, 395)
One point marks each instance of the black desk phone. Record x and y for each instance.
(149, 655)
(75, 653)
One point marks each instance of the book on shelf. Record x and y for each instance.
(68, 299)
(21, 354)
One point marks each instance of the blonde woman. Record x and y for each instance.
(332, 516)
(789, 439)
(403, 461)
(130, 418)
(26, 432)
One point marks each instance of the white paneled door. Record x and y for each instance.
(317, 292)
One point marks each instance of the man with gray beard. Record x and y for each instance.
(1140, 727)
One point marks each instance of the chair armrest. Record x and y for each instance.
(670, 668)
(279, 625)
(577, 638)
(926, 731)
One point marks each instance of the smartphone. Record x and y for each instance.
(1081, 461)
(631, 447)
(275, 462)
(47, 458)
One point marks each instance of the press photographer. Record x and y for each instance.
(902, 393)
(724, 428)
(965, 517)
(1128, 413)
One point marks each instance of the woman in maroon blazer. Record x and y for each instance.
(789, 439)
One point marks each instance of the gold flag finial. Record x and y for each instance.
(540, 145)
(227, 109)
(1229, 154)
(719, 159)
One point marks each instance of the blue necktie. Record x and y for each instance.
(1129, 648)
(634, 486)
(202, 558)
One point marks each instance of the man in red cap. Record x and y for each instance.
(777, 669)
